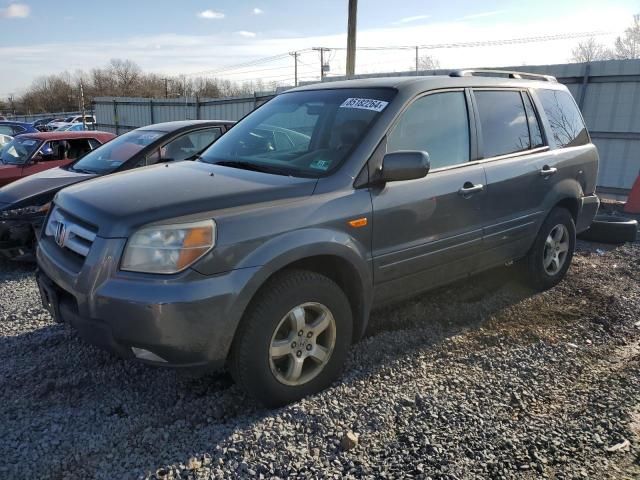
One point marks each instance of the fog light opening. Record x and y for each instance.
(143, 354)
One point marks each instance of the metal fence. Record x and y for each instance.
(38, 116)
(607, 92)
(119, 115)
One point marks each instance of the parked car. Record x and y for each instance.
(35, 152)
(74, 127)
(23, 204)
(4, 140)
(16, 128)
(267, 255)
(89, 121)
(41, 124)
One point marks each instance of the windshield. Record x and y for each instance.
(69, 119)
(306, 134)
(111, 155)
(18, 151)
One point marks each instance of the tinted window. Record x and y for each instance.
(6, 130)
(437, 124)
(114, 153)
(534, 126)
(564, 118)
(305, 133)
(183, 147)
(503, 121)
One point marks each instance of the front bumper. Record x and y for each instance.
(588, 208)
(17, 237)
(183, 320)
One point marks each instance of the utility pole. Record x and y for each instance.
(321, 50)
(166, 87)
(351, 38)
(417, 56)
(84, 120)
(295, 66)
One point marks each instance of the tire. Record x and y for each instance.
(539, 274)
(268, 327)
(611, 229)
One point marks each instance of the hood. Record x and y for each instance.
(120, 203)
(39, 188)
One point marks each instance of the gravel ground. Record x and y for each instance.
(482, 379)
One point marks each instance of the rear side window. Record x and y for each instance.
(437, 124)
(503, 121)
(566, 123)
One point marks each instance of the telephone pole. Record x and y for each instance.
(417, 61)
(321, 50)
(351, 38)
(166, 87)
(84, 119)
(295, 66)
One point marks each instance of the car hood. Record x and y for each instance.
(39, 188)
(118, 204)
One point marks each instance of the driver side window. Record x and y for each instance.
(437, 124)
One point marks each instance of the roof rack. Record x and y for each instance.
(503, 73)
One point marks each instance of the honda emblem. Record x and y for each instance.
(61, 234)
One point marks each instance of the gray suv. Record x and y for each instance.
(268, 253)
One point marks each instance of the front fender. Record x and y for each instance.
(284, 250)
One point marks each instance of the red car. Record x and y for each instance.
(34, 152)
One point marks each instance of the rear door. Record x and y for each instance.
(515, 157)
(427, 231)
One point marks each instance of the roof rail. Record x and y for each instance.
(502, 73)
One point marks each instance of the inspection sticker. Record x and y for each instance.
(365, 104)
(320, 164)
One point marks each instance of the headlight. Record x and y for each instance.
(168, 248)
(25, 211)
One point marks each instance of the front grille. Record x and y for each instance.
(70, 233)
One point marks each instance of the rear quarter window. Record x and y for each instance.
(567, 127)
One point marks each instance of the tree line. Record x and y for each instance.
(625, 47)
(119, 78)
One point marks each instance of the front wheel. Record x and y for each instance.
(550, 256)
(293, 340)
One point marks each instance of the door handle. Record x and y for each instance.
(469, 188)
(548, 171)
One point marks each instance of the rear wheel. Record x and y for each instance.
(293, 340)
(550, 256)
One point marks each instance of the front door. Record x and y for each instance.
(52, 154)
(426, 232)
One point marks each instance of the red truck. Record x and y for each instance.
(34, 152)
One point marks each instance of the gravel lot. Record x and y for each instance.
(482, 379)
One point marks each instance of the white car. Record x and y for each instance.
(88, 120)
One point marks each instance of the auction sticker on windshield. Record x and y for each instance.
(365, 104)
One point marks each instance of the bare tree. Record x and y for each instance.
(61, 92)
(428, 62)
(628, 46)
(590, 50)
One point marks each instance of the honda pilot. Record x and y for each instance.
(267, 254)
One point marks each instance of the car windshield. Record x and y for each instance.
(111, 155)
(19, 150)
(69, 119)
(306, 134)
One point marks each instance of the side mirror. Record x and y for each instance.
(404, 165)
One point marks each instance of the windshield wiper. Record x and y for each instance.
(252, 166)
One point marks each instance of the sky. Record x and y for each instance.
(41, 37)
